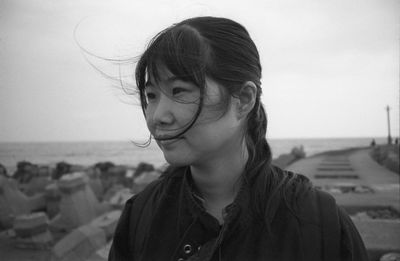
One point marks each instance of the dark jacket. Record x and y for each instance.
(168, 222)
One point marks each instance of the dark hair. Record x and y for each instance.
(220, 49)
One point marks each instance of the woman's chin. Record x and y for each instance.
(175, 159)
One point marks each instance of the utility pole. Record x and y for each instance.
(388, 119)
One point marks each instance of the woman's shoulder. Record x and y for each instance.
(318, 207)
(308, 203)
(318, 211)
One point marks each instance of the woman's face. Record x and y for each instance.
(172, 104)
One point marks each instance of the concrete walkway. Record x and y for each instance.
(372, 184)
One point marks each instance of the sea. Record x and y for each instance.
(127, 153)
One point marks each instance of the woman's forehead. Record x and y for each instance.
(163, 76)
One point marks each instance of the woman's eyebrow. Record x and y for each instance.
(174, 78)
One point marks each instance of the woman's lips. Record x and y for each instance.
(168, 142)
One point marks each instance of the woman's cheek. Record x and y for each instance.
(184, 113)
(149, 119)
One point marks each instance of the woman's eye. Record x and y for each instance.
(150, 96)
(178, 90)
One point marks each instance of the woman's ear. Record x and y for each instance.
(246, 99)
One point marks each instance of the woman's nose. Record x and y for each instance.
(162, 114)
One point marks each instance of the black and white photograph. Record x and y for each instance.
(199, 130)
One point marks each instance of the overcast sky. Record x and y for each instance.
(329, 67)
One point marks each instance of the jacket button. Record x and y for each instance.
(198, 248)
(187, 249)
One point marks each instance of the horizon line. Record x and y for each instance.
(143, 140)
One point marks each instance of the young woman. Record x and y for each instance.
(220, 199)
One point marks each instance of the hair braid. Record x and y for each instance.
(259, 151)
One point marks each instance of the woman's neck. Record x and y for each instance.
(218, 179)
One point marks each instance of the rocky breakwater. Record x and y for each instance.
(73, 211)
(78, 203)
(32, 231)
(13, 202)
(92, 241)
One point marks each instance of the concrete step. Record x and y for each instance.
(380, 236)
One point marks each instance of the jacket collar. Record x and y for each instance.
(240, 204)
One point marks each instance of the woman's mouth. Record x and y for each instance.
(167, 142)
